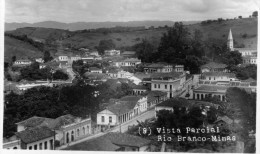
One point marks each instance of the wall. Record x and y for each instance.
(106, 114)
(42, 141)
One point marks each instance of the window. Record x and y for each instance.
(209, 78)
(77, 132)
(51, 143)
(45, 145)
(102, 119)
(154, 85)
(40, 146)
(166, 86)
(35, 147)
(110, 119)
(159, 86)
(170, 87)
(30, 147)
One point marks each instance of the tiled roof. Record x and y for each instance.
(141, 76)
(231, 75)
(173, 75)
(132, 60)
(60, 121)
(35, 134)
(153, 95)
(249, 80)
(122, 107)
(157, 65)
(246, 49)
(214, 65)
(130, 98)
(211, 88)
(97, 76)
(128, 52)
(94, 68)
(175, 102)
(34, 121)
(140, 87)
(123, 139)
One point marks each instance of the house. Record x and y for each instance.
(37, 138)
(250, 59)
(218, 76)
(67, 128)
(139, 89)
(119, 74)
(155, 97)
(173, 104)
(130, 62)
(213, 67)
(87, 60)
(95, 70)
(204, 91)
(223, 121)
(112, 52)
(12, 143)
(22, 62)
(158, 67)
(75, 58)
(179, 68)
(123, 110)
(172, 83)
(128, 53)
(94, 53)
(114, 141)
(63, 57)
(39, 60)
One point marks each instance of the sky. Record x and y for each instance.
(68, 11)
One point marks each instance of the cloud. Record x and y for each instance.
(124, 10)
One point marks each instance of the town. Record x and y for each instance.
(110, 99)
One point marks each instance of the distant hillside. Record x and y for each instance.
(244, 33)
(20, 49)
(90, 25)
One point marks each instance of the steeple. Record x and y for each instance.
(230, 41)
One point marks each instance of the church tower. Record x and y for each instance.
(230, 41)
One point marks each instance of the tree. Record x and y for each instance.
(105, 45)
(47, 56)
(60, 75)
(145, 51)
(232, 58)
(255, 14)
(240, 17)
(13, 59)
(193, 63)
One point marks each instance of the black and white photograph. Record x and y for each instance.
(176, 76)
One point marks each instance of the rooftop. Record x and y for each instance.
(35, 134)
(94, 68)
(140, 87)
(153, 95)
(165, 76)
(132, 60)
(129, 53)
(34, 121)
(131, 98)
(122, 107)
(158, 65)
(226, 119)
(211, 88)
(231, 75)
(214, 65)
(175, 102)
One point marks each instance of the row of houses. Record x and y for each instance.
(40, 133)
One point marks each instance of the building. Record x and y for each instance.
(172, 83)
(75, 58)
(40, 132)
(158, 68)
(112, 52)
(121, 111)
(204, 91)
(87, 60)
(63, 58)
(173, 104)
(12, 143)
(250, 59)
(130, 62)
(139, 89)
(218, 76)
(249, 55)
(114, 141)
(22, 62)
(179, 68)
(95, 70)
(94, 53)
(119, 74)
(213, 67)
(155, 97)
(223, 121)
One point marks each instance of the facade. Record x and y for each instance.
(218, 76)
(213, 67)
(39, 60)
(121, 111)
(204, 91)
(129, 62)
(158, 68)
(87, 60)
(112, 52)
(75, 58)
(119, 74)
(250, 59)
(170, 83)
(95, 70)
(40, 133)
(63, 58)
(139, 89)
(21, 63)
(179, 68)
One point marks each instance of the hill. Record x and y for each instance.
(244, 33)
(20, 49)
(90, 25)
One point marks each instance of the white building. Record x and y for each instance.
(95, 70)
(63, 58)
(171, 83)
(119, 74)
(213, 67)
(112, 52)
(122, 111)
(218, 76)
(130, 62)
(94, 53)
(204, 91)
(22, 62)
(250, 59)
(158, 68)
(39, 60)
